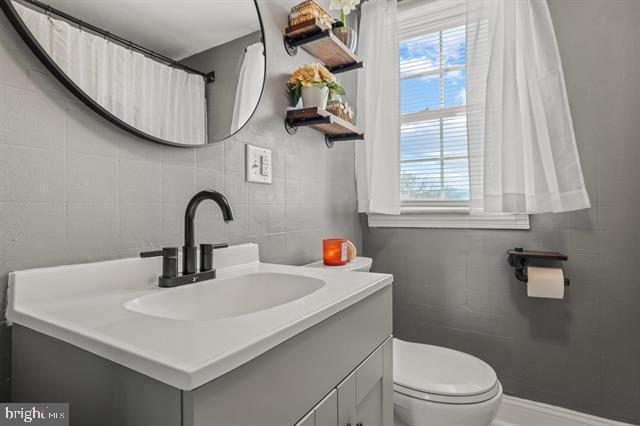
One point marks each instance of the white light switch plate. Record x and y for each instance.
(258, 164)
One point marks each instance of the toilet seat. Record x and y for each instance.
(447, 399)
(442, 375)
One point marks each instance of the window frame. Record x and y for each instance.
(453, 214)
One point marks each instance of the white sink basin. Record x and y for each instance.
(223, 298)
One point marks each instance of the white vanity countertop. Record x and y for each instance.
(84, 305)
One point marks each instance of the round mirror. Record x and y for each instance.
(177, 72)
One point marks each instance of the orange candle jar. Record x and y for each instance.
(334, 251)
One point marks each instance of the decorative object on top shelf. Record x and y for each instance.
(346, 35)
(315, 85)
(309, 11)
(341, 109)
(322, 43)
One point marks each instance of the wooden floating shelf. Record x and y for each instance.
(320, 42)
(335, 128)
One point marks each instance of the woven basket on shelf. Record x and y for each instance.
(341, 109)
(308, 11)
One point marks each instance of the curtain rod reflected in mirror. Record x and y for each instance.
(82, 25)
(145, 77)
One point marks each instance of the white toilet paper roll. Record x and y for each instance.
(545, 282)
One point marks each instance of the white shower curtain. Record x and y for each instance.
(378, 156)
(160, 100)
(523, 152)
(249, 85)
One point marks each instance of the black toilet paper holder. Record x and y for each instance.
(518, 258)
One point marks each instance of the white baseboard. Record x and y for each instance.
(522, 412)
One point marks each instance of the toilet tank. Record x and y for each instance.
(361, 264)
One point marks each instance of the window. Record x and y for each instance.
(433, 136)
(434, 156)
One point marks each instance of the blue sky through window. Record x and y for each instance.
(434, 152)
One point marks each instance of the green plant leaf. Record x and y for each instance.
(296, 92)
(335, 89)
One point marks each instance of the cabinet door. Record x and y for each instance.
(308, 420)
(365, 397)
(326, 412)
(347, 414)
(323, 414)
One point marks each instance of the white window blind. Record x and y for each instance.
(433, 140)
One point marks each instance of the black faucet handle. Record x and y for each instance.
(170, 252)
(169, 260)
(154, 253)
(206, 257)
(166, 251)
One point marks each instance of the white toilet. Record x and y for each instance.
(435, 386)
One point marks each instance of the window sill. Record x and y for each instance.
(447, 217)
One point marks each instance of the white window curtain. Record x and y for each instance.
(160, 100)
(523, 152)
(249, 85)
(378, 156)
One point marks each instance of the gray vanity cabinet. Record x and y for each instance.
(323, 414)
(365, 397)
(326, 413)
(308, 420)
(336, 373)
(291, 382)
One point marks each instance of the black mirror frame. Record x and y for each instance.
(49, 63)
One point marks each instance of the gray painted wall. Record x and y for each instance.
(454, 288)
(226, 61)
(74, 188)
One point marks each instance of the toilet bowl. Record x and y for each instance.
(436, 386)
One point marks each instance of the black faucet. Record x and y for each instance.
(190, 250)
(170, 276)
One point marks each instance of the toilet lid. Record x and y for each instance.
(441, 371)
(357, 264)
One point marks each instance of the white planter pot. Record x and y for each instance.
(315, 97)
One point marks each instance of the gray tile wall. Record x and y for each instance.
(453, 287)
(74, 188)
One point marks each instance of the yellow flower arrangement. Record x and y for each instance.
(313, 75)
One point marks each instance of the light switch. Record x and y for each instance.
(258, 164)
(265, 163)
